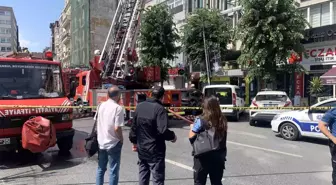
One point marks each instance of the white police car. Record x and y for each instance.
(294, 124)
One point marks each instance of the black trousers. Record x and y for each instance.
(332, 147)
(156, 167)
(212, 164)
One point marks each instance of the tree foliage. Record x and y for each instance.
(216, 34)
(158, 37)
(269, 30)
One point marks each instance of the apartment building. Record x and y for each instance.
(64, 35)
(55, 40)
(320, 42)
(178, 9)
(9, 32)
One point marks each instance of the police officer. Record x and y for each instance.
(329, 120)
(148, 134)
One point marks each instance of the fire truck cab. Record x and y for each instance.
(27, 87)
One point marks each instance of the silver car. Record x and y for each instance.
(268, 99)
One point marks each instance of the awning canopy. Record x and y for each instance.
(329, 78)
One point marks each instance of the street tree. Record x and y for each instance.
(208, 31)
(158, 38)
(270, 31)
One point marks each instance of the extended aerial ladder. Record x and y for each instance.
(124, 30)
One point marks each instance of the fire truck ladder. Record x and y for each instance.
(124, 27)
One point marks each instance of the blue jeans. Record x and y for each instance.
(113, 157)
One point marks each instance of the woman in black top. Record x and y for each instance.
(212, 163)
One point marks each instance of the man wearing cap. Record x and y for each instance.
(148, 134)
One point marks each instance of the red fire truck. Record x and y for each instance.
(28, 81)
(117, 66)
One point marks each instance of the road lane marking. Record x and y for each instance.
(265, 149)
(179, 165)
(182, 165)
(247, 134)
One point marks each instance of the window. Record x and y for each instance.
(223, 94)
(8, 22)
(8, 40)
(9, 49)
(7, 31)
(46, 77)
(271, 97)
(304, 13)
(230, 4)
(328, 104)
(7, 13)
(315, 16)
(334, 12)
(84, 80)
(3, 49)
(2, 12)
(178, 3)
(325, 14)
(3, 40)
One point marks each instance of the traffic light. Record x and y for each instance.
(181, 72)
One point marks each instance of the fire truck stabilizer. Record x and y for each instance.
(17, 89)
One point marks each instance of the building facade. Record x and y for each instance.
(90, 23)
(55, 40)
(179, 10)
(65, 35)
(320, 43)
(9, 31)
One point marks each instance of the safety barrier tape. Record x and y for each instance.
(180, 108)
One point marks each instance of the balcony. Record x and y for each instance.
(65, 19)
(65, 37)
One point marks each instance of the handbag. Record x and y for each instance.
(205, 141)
(91, 144)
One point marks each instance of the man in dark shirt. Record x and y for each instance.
(149, 132)
(329, 120)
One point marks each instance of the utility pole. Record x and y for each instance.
(206, 57)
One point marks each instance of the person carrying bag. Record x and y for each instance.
(91, 145)
(208, 138)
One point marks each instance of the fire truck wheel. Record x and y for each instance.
(65, 144)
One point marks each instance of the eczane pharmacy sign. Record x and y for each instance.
(321, 54)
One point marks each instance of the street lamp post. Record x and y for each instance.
(206, 57)
(205, 50)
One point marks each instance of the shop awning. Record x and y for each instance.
(329, 78)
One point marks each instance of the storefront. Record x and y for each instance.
(320, 51)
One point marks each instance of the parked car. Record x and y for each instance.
(295, 124)
(229, 96)
(268, 99)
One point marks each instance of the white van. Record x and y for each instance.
(228, 96)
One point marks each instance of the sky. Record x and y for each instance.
(33, 18)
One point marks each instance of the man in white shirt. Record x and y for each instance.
(110, 117)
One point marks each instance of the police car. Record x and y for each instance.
(294, 124)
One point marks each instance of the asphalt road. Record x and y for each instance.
(256, 156)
